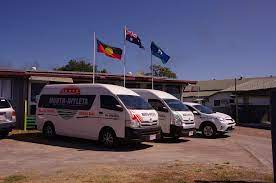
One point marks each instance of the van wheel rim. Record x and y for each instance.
(108, 138)
(208, 131)
(49, 131)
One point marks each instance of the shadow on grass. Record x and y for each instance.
(75, 143)
(226, 181)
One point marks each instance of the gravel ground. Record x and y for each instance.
(29, 153)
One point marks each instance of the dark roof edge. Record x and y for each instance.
(87, 75)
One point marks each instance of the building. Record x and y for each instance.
(23, 87)
(253, 97)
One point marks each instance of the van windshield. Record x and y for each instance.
(134, 102)
(176, 105)
(204, 109)
(4, 104)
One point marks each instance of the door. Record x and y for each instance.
(112, 114)
(86, 120)
(163, 114)
(196, 116)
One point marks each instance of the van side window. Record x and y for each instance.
(109, 102)
(156, 104)
(72, 102)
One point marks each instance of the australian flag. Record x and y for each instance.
(158, 52)
(133, 38)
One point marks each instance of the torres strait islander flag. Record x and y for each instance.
(109, 51)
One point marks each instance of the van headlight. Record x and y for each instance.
(221, 120)
(177, 120)
(134, 124)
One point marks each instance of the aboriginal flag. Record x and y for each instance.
(109, 51)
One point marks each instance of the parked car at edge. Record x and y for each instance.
(103, 112)
(175, 119)
(210, 123)
(7, 117)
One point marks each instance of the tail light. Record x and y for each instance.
(13, 114)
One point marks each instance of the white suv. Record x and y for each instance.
(7, 118)
(208, 122)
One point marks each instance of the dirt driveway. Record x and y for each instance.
(29, 153)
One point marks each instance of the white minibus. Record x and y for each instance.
(175, 118)
(103, 112)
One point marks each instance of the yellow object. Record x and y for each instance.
(25, 115)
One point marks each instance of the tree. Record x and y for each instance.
(79, 65)
(161, 71)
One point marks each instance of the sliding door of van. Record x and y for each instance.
(112, 114)
(163, 114)
(86, 120)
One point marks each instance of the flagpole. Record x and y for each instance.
(124, 63)
(151, 71)
(94, 58)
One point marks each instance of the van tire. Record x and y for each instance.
(176, 138)
(209, 130)
(4, 134)
(108, 138)
(49, 130)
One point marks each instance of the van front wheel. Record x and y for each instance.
(49, 130)
(4, 134)
(108, 138)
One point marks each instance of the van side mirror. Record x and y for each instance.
(118, 107)
(195, 113)
(163, 109)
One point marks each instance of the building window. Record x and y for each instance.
(133, 85)
(216, 102)
(231, 101)
(246, 100)
(35, 90)
(6, 88)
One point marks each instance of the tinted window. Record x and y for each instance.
(134, 102)
(4, 104)
(156, 104)
(109, 102)
(216, 102)
(203, 109)
(190, 108)
(176, 105)
(73, 102)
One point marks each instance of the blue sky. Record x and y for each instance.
(205, 38)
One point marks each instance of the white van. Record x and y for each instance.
(175, 119)
(101, 112)
(208, 122)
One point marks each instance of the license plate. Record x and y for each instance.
(152, 137)
(191, 133)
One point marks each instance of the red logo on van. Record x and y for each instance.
(70, 90)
